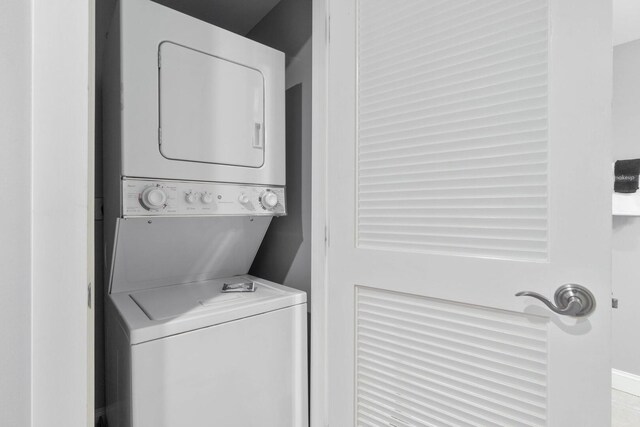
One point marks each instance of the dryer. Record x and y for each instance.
(186, 104)
(190, 101)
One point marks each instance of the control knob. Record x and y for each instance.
(207, 198)
(243, 199)
(153, 198)
(191, 197)
(268, 199)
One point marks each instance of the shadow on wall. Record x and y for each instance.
(286, 28)
(285, 235)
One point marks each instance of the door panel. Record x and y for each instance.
(469, 160)
(452, 128)
(245, 373)
(445, 363)
(211, 109)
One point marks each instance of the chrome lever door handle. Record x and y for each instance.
(570, 300)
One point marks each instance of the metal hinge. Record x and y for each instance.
(89, 294)
(326, 236)
(614, 302)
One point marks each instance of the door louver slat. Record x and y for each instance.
(421, 362)
(452, 127)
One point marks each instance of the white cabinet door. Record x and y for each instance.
(211, 109)
(249, 372)
(468, 158)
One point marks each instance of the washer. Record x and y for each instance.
(179, 352)
(190, 355)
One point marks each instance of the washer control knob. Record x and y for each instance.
(153, 198)
(191, 197)
(268, 199)
(242, 198)
(207, 198)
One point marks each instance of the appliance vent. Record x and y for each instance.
(427, 362)
(452, 127)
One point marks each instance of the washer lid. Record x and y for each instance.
(160, 312)
(189, 299)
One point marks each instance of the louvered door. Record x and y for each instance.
(468, 160)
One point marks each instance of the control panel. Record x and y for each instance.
(188, 198)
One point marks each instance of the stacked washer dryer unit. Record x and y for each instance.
(194, 172)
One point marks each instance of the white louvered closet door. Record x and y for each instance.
(468, 159)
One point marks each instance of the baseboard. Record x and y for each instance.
(624, 381)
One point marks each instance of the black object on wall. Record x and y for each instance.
(626, 176)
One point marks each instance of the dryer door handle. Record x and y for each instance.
(257, 135)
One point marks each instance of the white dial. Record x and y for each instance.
(242, 198)
(207, 198)
(268, 199)
(153, 198)
(191, 197)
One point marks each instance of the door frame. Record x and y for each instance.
(319, 213)
(61, 194)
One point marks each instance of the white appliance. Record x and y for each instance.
(189, 355)
(179, 352)
(190, 101)
(194, 172)
(188, 104)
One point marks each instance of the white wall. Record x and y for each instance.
(626, 230)
(15, 223)
(626, 21)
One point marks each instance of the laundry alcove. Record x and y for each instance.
(284, 256)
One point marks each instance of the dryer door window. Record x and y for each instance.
(211, 109)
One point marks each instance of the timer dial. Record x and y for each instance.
(268, 199)
(153, 198)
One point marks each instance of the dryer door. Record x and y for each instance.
(211, 109)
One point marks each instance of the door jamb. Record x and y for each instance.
(319, 216)
(61, 120)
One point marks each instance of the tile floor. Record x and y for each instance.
(625, 409)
